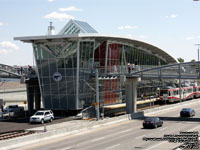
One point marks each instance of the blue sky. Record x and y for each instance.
(172, 25)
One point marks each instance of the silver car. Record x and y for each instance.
(42, 116)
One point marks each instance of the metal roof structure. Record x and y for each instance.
(75, 26)
(118, 39)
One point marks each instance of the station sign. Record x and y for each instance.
(57, 76)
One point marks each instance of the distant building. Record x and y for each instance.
(66, 61)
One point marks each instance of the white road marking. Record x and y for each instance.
(156, 145)
(163, 128)
(66, 148)
(113, 146)
(97, 139)
(193, 128)
(140, 136)
(117, 121)
(125, 131)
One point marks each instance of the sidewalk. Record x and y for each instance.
(79, 126)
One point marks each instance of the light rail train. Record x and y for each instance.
(171, 94)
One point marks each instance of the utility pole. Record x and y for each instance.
(197, 50)
(97, 95)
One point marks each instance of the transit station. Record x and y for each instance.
(79, 68)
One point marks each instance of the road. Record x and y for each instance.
(7, 125)
(126, 135)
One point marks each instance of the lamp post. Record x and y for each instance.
(198, 50)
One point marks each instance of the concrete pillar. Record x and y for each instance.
(37, 98)
(30, 97)
(131, 95)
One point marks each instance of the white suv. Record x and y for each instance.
(42, 116)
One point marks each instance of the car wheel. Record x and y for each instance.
(50, 120)
(155, 125)
(42, 121)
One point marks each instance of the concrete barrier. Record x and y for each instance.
(137, 115)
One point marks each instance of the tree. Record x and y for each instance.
(193, 60)
(181, 60)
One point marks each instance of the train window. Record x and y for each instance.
(163, 92)
(175, 92)
(189, 90)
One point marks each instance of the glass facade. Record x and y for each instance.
(65, 70)
(61, 59)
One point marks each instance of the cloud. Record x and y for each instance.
(189, 38)
(7, 47)
(127, 27)
(59, 16)
(172, 16)
(3, 24)
(51, 0)
(137, 37)
(192, 37)
(71, 8)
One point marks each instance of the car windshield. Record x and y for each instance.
(186, 109)
(149, 119)
(12, 107)
(39, 113)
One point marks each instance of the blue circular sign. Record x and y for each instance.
(57, 76)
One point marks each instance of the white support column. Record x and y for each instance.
(131, 95)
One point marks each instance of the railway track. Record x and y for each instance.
(14, 134)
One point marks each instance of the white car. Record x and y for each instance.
(42, 116)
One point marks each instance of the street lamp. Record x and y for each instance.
(198, 50)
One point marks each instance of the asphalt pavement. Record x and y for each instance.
(126, 134)
(9, 125)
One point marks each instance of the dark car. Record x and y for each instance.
(152, 122)
(187, 112)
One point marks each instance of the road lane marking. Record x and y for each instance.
(113, 146)
(97, 139)
(163, 128)
(66, 148)
(193, 128)
(140, 136)
(125, 131)
(117, 121)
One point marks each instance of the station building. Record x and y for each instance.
(65, 65)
